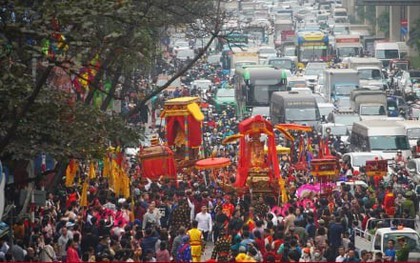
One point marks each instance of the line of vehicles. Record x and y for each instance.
(303, 62)
(324, 72)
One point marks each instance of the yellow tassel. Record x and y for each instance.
(83, 198)
(106, 170)
(92, 172)
(69, 176)
(284, 197)
(126, 186)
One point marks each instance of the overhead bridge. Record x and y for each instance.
(389, 2)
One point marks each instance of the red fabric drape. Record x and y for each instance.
(274, 159)
(243, 165)
(194, 129)
(194, 132)
(155, 167)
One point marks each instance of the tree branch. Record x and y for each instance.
(182, 71)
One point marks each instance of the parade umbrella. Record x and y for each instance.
(294, 127)
(212, 163)
(279, 149)
(306, 189)
(286, 134)
(232, 138)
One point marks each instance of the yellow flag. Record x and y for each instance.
(126, 187)
(113, 172)
(92, 172)
(83, 197)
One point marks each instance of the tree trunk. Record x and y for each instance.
(28, 198)
(11, 132)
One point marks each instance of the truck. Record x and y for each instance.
(241, 58)
(283, 31)
(369, 104)
(338, 84)
(378, 232)
(348, 46)
(372, 77)
(355, 63)
(370, 72)
(360, 30)
(368, 43)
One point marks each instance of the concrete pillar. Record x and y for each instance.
(412, 15)
(379, 11)
(394, 23)
(366, 22)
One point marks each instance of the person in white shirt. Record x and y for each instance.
(4, 248)
(62, 243)
(341, 255)
(151, 218)
(205, 223)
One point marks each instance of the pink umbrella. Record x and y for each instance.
(307, 189)
(276, 210)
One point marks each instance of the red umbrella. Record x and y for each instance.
(212, 163)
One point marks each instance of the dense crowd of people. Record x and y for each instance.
(200, 218)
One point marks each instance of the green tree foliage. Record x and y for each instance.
(361, 14)
(51, 42)
(414, 39)
(59, 125)
(371, 15)
(383, 22)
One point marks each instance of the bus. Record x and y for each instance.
(254, 85)
(312, 46)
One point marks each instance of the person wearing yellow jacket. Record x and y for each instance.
(243, 256)
(196, 242)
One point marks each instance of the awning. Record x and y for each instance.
(195, 111)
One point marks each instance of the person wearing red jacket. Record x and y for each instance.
(389, 202)
(228, 208)
(72, 255)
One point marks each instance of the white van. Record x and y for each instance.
(413, 130)
(358, 159)
(383, 137)
(385, 51)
